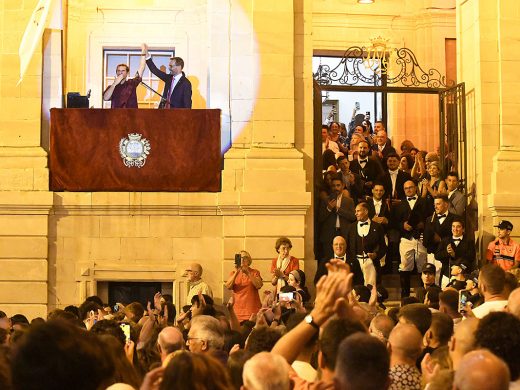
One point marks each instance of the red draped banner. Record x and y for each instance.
(184, 150)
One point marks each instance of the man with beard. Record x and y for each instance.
(368, 169)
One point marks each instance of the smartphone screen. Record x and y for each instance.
(238, 260)
(285, 297)
(126, 331)
(464, 296)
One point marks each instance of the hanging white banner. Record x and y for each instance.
(45, 10)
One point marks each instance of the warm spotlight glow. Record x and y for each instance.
(365, 1)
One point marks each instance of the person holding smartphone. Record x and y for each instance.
(245, 282)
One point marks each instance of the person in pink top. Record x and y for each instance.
(245, 282)
(283, 264)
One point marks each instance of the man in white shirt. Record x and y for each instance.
(326, 142)
(194, 274)
(491, 283)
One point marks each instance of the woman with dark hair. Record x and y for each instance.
(194, 371)
(297, 280)
(283, 264)
(329, 161)
(406, 163)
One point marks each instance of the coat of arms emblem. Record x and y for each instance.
(134, 150)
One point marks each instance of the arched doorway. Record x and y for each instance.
(383, 72)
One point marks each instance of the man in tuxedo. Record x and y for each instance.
(409, 217)
(177, 88)
(455, 250)
(368, 169)
(352, 181)
(366, 246)
(436, 228)
(339, 248)
(393, 179)
(335, 216)
(456, 198)
(379, 211)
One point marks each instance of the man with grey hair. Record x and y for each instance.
(169, 340)
(266, 371)
(381, 326)
(205, 335)
(194, 274)
(481, 370)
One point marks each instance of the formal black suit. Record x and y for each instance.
(415, 218)
(374, 242)
(383, 212)
(181, 94)
(385, 152)
(327, 223)
(355, 189)
(464, 254)
(386, 180)
(432, 227)
(369, 173)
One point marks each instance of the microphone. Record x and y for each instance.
(163, 100)
(88, 93)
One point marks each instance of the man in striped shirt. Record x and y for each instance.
(504, 251)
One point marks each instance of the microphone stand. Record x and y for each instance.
(163, 100)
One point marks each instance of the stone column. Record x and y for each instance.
(488, 56)
(24, 198)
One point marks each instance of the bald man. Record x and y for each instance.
(169, 340)
(339, 249)
(194, 274)
(463, 340)
(481, 370)
(405, 346)
(513, 303)
(381, 326)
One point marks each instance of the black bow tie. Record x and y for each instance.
(339, 257)
(363, 161)
(363, 223)
(441, 216)
(412, 198)
(457, 239)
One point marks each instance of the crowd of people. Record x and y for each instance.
(343, 339)
(460, 329)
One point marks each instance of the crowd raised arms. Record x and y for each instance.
(378, 205)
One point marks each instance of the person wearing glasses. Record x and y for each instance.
(177, 88)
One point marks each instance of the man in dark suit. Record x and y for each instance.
(365, 247)
(455, 250)
(382, 147)
(409, 217)
(177, 88)
(335, 216)
(436, 228)
(456, 198)
(352, 181)
(393, 179)
(379, 212)
(339, 247)
(367, 168)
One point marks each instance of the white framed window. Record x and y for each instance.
(132, 57)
